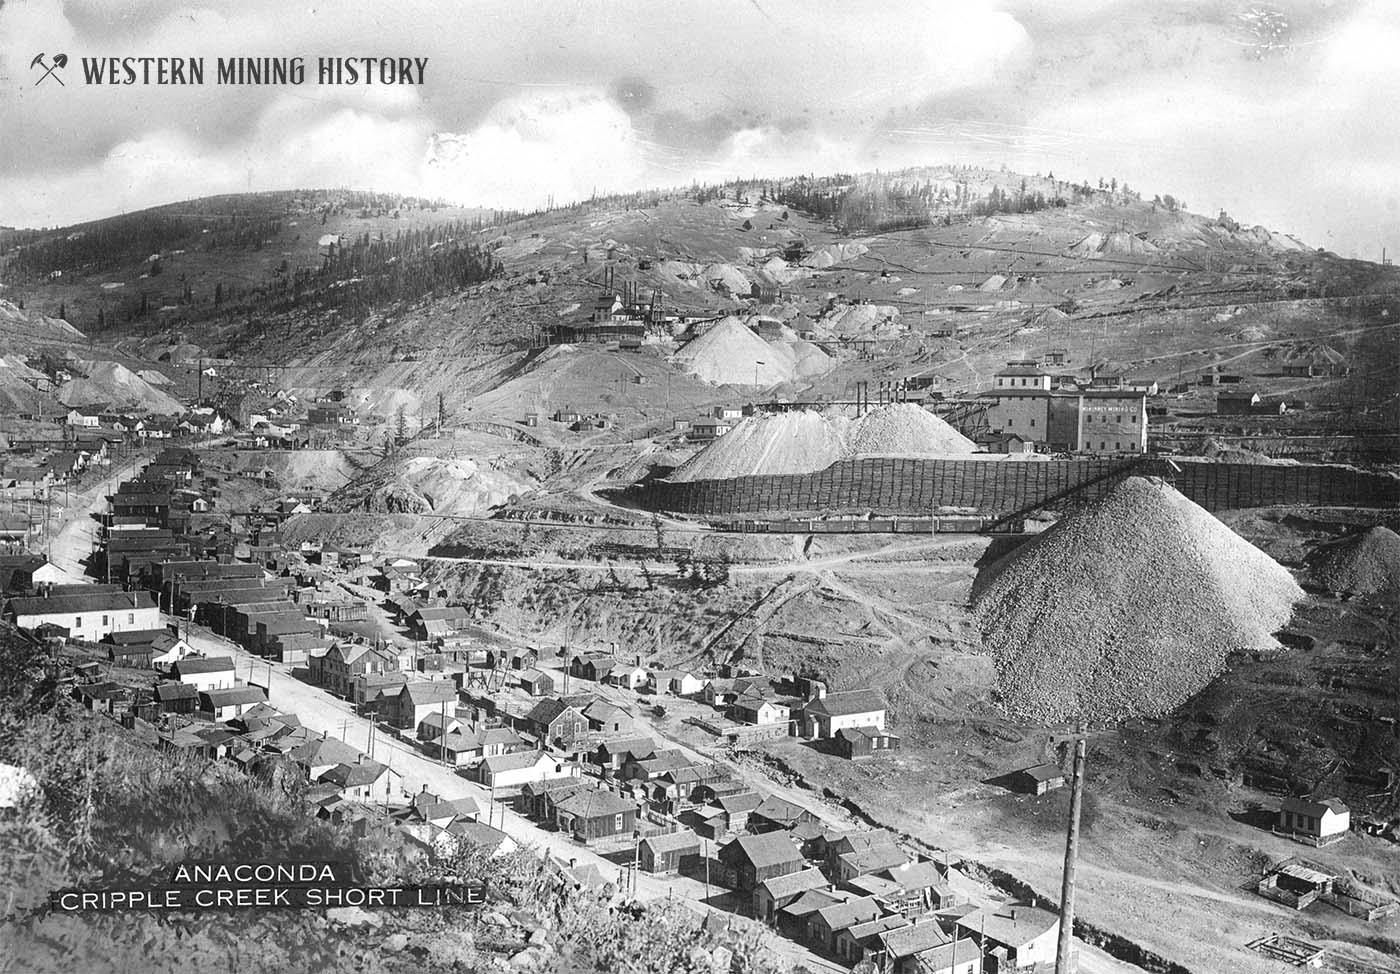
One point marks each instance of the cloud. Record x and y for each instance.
(1280, 116)
(566, 145)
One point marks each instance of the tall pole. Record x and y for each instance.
(1062, 955)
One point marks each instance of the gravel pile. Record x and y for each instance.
(801, 441)
(1362, 564)
(805, 441)
(904, 430)
(731, 354)
(1126, 608)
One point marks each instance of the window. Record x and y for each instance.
(1117, 445)
(131, 618)
(77, 622)
(104, 620)
(1134, 417)
(1103, 445)
(1032, 421)
(1010, 423)
(617, 822)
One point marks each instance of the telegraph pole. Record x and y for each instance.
(1062, 955)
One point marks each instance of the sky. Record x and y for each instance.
(1282, 113)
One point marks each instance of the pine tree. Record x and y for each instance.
(62, 311)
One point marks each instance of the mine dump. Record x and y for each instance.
(1126, 608)
(807, 440)
(1364, 564)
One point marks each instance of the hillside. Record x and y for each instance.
(943, 288)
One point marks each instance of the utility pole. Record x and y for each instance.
(1062, 955)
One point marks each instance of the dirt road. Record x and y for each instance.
(320, 711)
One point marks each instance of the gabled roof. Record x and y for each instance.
(1043, 772)
(771, 849)
(794, 883)
(78, 604)
(631, 746)
(202, 664)
(232, 696)
(547, 711)
(601, 710)
(917, 938)
(357, 775)
(811, 901)
(780, 810)
(743, 802)
(872, 929)
(840, 916)
(516, 761)
(429, 692)
(451, 808)
(595, 803)
(915, 875)
(681, 841)
(875, 859)
(854, 734)
(845, 703)
(323, 751)
(1315, 809)
(1013, 924)
(174, 690)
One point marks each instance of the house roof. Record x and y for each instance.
(629, 746)
(846, 703)
(547, 711)
(135, 636)
(873, 928)
(1013, 924)
(595, 803)
(232, 696)
(77, 604)
(743, 802)
(450, 613)
(771, 849)
(1043, 772)
(859, 839)
(841, 916)
(915, 875)
(357, 775)
(855, 734)
(439, 720)
(794, 883)
(478, 833)
(919, 937)
(601, 710)
(672, 841)
(811, 901)
(202, 664)
(515, 762)
(323, 751)
(875, 859)
(1316, 809)
(429, 692)
(451, 808)
(175, 691)
(780, 810)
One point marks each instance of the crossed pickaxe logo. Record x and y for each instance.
(59, 61)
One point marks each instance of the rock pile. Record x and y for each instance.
(805, 441)
(1361, 564)
(731, 354)
(1126, 608)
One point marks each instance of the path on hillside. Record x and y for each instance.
(75, 540)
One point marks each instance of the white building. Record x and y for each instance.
(87, 617)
